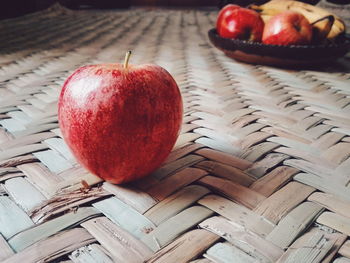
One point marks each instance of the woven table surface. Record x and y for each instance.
(260, 172)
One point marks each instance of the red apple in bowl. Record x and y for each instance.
(120, 121)
(225, 12)
(287, 28)
(239, 23)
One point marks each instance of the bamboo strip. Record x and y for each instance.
(24, 193)
(335, 221)
(120, 244)
(274, 180)
(234, 191)
(175, 203)
(39, 232)
(224, 158)
(140, 201)
(239, 214)
(345, 249)
(175, 226)
(5, 250)
(175, 182)
(53, 247)
(90, 254)
(177, 251)
(125, 216)
(225, 171)
(293, 224)
(251, 244)
(12, 218)
(226, 253)
(312, 246)
(283, 201)
(331, 202)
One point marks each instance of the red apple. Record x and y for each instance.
(239, 23)
(120, 122)
(225, 12)
(287, 28)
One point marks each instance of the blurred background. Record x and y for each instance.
(15, 8)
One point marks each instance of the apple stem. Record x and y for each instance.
(127, 57)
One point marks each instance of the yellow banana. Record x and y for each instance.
(265, 18)
(321, 28)
(312, 13)
(338, 28)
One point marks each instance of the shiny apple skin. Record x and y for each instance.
(120, 124)
(287, 28)
(221, 21)
(239, 23)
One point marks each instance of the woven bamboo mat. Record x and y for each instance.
(260, 172)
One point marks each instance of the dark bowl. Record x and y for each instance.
(277, 55)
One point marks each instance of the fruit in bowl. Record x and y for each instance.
(326, 27)
(120, 121)
(239, 23)
(253, 23)
(296, 46)
(287, 28)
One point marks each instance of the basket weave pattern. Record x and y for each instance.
(260, 172)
